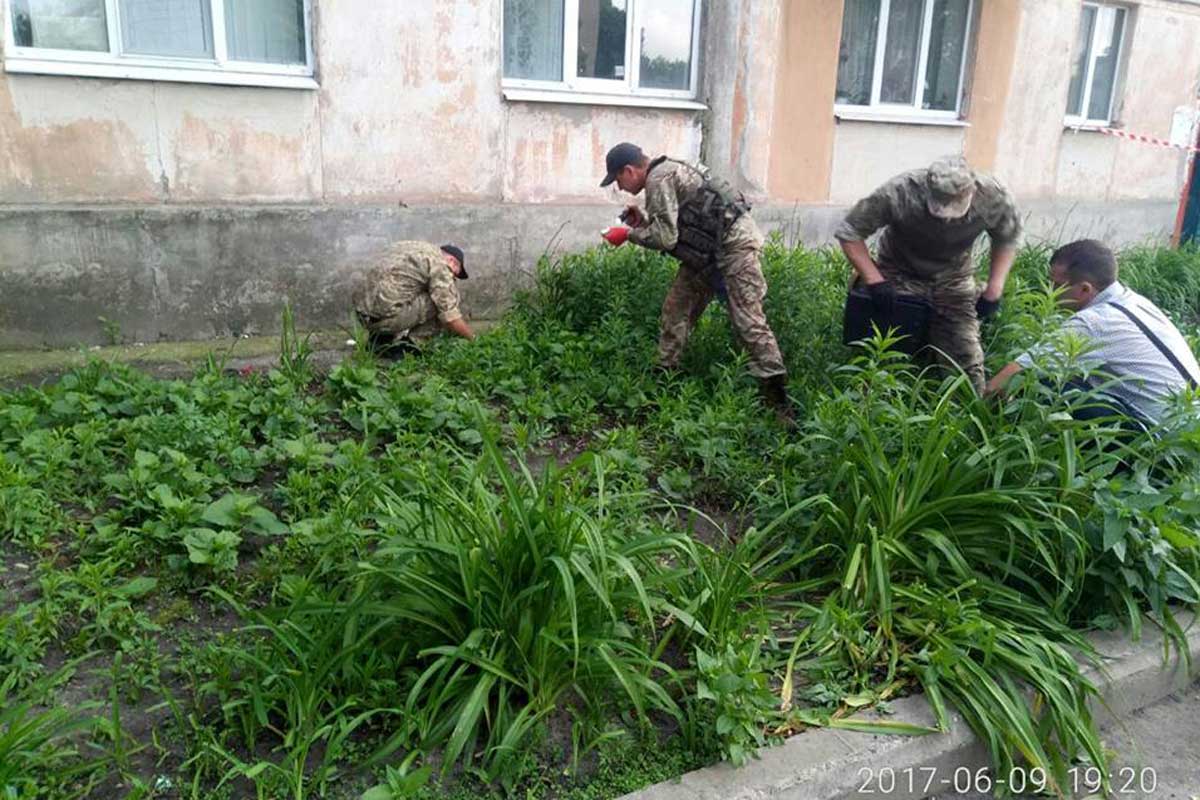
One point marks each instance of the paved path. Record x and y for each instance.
(1158, 745)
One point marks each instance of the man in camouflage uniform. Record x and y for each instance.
(410, 293)
(702, 222)
(931, 218)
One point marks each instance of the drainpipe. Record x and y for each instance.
(1190, 177)
(1185, 195)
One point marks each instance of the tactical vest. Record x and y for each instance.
(705, 218)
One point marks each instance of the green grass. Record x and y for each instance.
(479, 571)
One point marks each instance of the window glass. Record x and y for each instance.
(947, 41)
(666, 45)
(60, 24)
(1111, 24)
(267, 31)
(900, 56)
(601, 39)
(1083, 55)
(856, 58)
(166, 27)
(533, 39)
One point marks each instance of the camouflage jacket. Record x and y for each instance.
(405, 271)
(669, 185)
(919, 244)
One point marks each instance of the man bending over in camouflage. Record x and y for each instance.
(408, 292)
(702, 222)
(931, 219)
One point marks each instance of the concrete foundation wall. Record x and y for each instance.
(195, 273)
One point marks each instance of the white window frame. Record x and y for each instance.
(910, 112)
(1082, 120)
(220, 69)
(601, 91)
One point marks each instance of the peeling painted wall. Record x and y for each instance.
(1162, 72)
(742, 46)
(865, 154)
(555, 152)
(410, 110)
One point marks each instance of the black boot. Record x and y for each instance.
(390, 346)
(774, 395)
(377, 341)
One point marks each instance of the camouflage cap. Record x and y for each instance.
(951, 187)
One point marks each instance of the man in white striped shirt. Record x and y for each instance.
(1131, 340)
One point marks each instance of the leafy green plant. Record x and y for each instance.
(516, 602)
(400, 783)
(217, 549)
(295, 353)
(962, 542)
(735, 686)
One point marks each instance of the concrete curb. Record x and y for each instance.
(829, 764)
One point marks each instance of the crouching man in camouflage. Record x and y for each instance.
(703, 223)
(409, 294)
(930, 220)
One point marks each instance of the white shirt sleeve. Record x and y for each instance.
(1078, 325)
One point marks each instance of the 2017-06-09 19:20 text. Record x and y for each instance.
(1126, 780)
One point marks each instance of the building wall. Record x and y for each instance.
(868, 153)
(1039, 157)
(176, 209)
(399, 117)
(1162, 72)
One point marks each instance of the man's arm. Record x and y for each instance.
(867, 216)
(860, 259)
(1001, 260)
(444, 294)
(1004, 229)
(660, 222)
(1000, 379)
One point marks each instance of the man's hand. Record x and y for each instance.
(996, 385)
(883, 295)
(985, 307)
(460, 327)
(632, 216)
(616, 235)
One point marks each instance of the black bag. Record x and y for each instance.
(909, 316)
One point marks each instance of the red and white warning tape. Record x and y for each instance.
(1151, 140)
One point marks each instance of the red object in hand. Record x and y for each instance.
(616, 235)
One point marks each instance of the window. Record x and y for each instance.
(903, 57)
(244, 42)
(1094, 70)
(621, 51)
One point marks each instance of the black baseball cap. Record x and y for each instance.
(457, 253)
(619, 157)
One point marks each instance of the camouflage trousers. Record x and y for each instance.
(953, 325)
(416, 320)
(691, 293)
